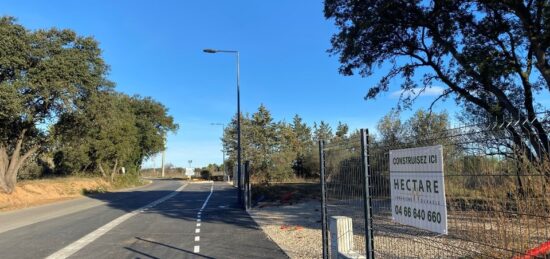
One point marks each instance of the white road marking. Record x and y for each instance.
(87, 239)
(196, 249)
(207, 198)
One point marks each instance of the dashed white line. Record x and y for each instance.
(197, 248)
(87, 239)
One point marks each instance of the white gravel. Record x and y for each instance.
(295, 228)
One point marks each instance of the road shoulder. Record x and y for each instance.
(294, 228)
(31, 215)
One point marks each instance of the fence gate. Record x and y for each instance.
(496, 197)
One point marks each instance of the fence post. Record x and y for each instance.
(367, 205)
(323, 199)
(247, 186)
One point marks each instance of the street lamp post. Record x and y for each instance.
(212, 51)
(223, 150)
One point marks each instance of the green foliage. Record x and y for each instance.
(423, 128)
(55, 99)
(323, 131)
(111, 130)
(490, 56)
(206, 174)
(277, 150)
(341, 131)
(43, 75)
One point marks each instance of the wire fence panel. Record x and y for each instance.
(496, 194)
(344, 186)
(497, 203)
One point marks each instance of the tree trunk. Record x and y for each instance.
(9, 167)
(101, 169)
(113, 173)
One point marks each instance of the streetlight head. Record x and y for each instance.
(209, 50)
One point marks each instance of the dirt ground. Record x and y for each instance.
(295, 228)
(37, 192)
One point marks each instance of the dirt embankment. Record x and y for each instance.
(36, 192)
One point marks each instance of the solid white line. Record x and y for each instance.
(196, 249)
(197, 238)
(87, 239)
(198, 230)
(207, 198)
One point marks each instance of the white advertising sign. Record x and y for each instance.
(418, 188)
(189, 171)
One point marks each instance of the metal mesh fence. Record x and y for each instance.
(497, 203)
(495, 194)
(345, 187)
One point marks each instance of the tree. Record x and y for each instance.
(391, 129)
(303, 135)
(263, 140)
(229, 139)
(43, 74)
(323, 131)
(111, 130)
(153, 123)
(423, 128)
(428, 127)
(286, 150)
(341, 131)
(304, 147)
(492, 56)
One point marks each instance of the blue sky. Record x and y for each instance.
(154, 49)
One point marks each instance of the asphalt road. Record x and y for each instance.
(167, 219)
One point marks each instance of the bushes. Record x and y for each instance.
(205, 174)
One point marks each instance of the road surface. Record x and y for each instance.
(167, 219)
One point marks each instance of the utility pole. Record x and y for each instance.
(163, 156)
(239, 150)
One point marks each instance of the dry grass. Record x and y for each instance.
(286, 192)
(36, 192)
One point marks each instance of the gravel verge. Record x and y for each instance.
(295, 228)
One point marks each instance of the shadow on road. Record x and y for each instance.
(222, 206)
(164, 245)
